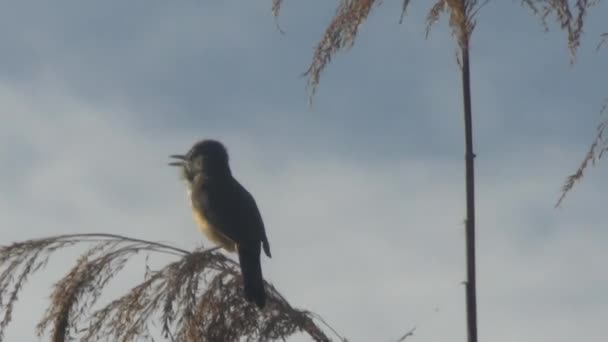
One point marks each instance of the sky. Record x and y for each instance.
(362, 194)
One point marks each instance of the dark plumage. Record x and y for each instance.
(226, 212)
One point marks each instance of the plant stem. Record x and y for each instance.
(471, 287)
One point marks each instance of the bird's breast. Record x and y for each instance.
(201, 221)
(211, 232)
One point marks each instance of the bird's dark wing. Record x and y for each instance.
(258, 218)
(232, 210)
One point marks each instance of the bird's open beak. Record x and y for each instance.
(181, 162)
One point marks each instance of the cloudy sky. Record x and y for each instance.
(362, 194)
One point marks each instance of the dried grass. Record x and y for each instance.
(340, 34)
(603, 40)
(571, 18)
(342, 30)
(198, 297)
(595, 153)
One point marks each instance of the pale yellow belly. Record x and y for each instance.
(212, 234)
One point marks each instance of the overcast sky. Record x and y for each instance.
(362, 194)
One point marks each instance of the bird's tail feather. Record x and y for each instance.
(253, 282)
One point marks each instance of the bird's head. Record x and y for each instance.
(206, 159)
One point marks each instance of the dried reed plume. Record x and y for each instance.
(172, 297)
(570, 19)
(341, 32)
(595, 152)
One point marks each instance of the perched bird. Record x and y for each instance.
(225, 211)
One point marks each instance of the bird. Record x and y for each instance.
(225, 212)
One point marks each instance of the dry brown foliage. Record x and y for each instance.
(462, 17)
(603, 39)
(571, 18)
(342, 30)
(198, 297)
(276, 7)
(595, 152)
